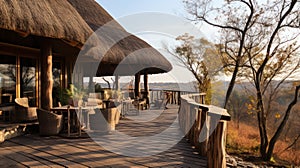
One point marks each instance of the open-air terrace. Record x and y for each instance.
(33, 150)
(152, 137)
(47, 49)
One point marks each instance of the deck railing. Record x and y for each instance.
(205, 127)
(160, 94)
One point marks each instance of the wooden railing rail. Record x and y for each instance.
(205, 128)
(160, 94)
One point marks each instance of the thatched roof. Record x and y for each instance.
(94, 15)
(46, 18)
(97, 17)
(74, 21)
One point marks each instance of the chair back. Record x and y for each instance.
(49, 123)
(22, 101)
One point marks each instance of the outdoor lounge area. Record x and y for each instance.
(51, 118)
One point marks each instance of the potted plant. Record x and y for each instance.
(75, 95)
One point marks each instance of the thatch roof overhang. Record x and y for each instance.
(11, 43)
(52, 19)
(127, 56)
(126, 53)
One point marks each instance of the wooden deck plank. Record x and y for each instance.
(47, 152)
(19, 157)
(7, 162)
(34, 155)
(33, 150)
(84, 156)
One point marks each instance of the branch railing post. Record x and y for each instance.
(205, 133)
(216, 146)
(197, 121)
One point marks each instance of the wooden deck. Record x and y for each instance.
(36, 151)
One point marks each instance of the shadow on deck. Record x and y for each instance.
(33, 150)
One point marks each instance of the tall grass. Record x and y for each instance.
(244, 140)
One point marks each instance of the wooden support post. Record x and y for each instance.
(197, 128)
(46, 76)
(178, 97)
(91, 85)
(137, 85)
(117, 82)
(77, 75)
(173, 97)
(205, 133)
(205, 119)
(191, 123)
(146, 89)
(188, 119)
(146, 86)
(152, 96)
(216, 147)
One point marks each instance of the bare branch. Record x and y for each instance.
(284, 120)
(291, 145)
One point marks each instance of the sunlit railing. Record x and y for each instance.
(205, 127)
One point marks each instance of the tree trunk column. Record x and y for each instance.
(216, 146)
(146, 89)
(46, 76)
(117, 81)
(137, 85)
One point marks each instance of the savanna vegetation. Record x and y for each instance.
(258, 44)
(243, 136)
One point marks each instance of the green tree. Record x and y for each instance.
(197, 55)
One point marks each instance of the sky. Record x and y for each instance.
(158, 22)
(120, 8)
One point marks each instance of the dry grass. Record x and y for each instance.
(291, 155)
(245, 141)
(242, 140)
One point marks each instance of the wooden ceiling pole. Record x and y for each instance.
(46, 76)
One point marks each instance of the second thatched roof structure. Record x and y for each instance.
(69, 24)
(142, 55)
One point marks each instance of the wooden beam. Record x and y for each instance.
(73, 43)
(46, 76)
(22, 34)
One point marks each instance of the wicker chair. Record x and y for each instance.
(49, 123)
(23, 112)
